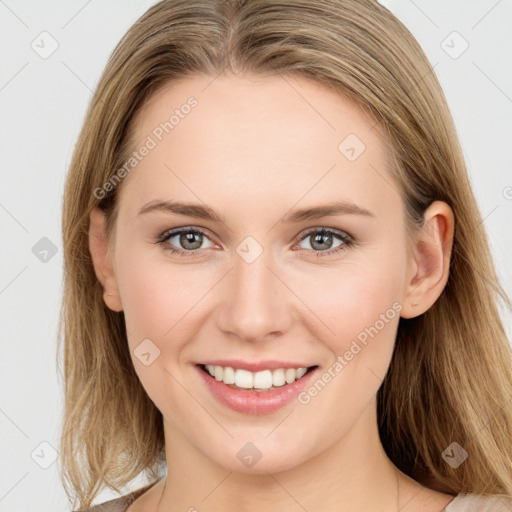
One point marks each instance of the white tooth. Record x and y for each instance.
(278, 377)
(301, 372)
(263, 379)
(218, 372)
(243, 379)
(229, 375)
(289, 375)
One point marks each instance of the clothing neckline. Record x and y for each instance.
(131, 497)
(447, 506)
(122, 503)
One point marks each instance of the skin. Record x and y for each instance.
(254, 149)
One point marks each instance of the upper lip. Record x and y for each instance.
(255, 366)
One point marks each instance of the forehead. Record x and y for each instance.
(257, 136)
(293, 107)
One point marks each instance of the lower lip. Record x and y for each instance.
(255, 402)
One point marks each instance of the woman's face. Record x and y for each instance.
(259, 166)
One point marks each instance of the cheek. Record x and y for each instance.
(158, 302)
(359, 294)
(364, 313)
(157, 296)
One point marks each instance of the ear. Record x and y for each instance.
(101, 258)
(429, 263)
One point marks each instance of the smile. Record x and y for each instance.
(255, 392)
(259, 381)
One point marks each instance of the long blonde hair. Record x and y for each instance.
(450, 377)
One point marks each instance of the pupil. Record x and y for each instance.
(321, 239)
(188, 238)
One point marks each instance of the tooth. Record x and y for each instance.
(278, 377)
(263, 379)
(289, 375)
(218, 372)
(229, 375)
(243, 379)
(301, 372)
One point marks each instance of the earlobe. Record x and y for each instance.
(431, 260)
(101, 258)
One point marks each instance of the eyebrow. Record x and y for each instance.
(203, 212)
(189, 209)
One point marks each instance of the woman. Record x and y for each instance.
(277, 281)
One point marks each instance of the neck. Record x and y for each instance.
(353, 475)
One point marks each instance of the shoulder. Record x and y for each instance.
(480, 503)
(116, 505)
(119, 504)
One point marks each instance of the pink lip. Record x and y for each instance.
(254, 402)
(255, 367)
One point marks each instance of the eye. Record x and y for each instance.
(188, 241)
(321, 240)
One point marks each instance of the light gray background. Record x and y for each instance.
(43, 102)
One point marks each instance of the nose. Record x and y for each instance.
(255, 304)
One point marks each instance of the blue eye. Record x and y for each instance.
(191, 239)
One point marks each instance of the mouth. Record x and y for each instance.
(255, 392)
(260, 381)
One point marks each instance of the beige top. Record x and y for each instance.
(460, 503)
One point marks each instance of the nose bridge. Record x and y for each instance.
(254, 305)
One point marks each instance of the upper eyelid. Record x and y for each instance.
(315, 229)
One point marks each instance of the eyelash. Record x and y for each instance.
(348, 241)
